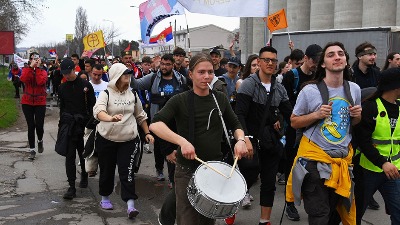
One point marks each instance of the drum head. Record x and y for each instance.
(217, 187)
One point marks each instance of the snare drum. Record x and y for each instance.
(213, 195)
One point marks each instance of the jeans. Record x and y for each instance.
(390, 190)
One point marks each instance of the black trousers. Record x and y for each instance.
(110, 155)
(320, 201)
(70, 165)
(290, 150)
(269, 162)
(160, 147)
(34, 116)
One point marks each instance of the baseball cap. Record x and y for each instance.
(235, 61)
(66, 66)
(389, 79)
(313, 51)
(216, 51)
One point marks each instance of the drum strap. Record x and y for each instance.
(191, 116)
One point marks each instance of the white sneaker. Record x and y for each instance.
(246, 201)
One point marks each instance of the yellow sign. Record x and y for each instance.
(69, 37)
(94, 40)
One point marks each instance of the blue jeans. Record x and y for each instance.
(389, 189)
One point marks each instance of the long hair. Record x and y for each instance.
(320, 74)
(247, 67)
(391, 57)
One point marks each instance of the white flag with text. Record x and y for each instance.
(229, 8)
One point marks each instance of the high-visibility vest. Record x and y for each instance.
(387, 143)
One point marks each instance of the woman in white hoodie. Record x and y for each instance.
(119, 112)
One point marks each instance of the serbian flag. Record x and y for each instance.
(276, 21)
(163, 37)
(152, 12)
(52, 53)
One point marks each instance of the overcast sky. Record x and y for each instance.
(59, 19)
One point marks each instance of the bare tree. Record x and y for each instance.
(15, 14)
(81, 28)
(109, 34)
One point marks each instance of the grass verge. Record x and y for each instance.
(8, 105)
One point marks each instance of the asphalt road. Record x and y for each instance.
(31, 191)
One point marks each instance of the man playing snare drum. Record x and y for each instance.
(199, 140)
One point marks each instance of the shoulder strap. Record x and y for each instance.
(190, 105)
(323, 90)
(153, 77)
(347, 92)
(266, 108)
(296, 80)
(108, 95)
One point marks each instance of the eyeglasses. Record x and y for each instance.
(128, 71)
(268, 60)
(165, 64)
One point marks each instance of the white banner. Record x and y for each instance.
(19, 61)
(229, 8)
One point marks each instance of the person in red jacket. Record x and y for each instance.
(34, 101)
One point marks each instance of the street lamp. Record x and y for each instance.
(112, 37)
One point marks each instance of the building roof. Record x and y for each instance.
(191, 29)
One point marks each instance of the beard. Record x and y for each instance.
(167, 73)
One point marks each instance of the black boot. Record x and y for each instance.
(84, 180)
(70, 194)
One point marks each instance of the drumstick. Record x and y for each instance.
(233, 167)
(206, 164)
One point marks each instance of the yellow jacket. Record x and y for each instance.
(340, 179)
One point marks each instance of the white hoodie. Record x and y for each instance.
(119, 103)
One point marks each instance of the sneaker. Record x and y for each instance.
(132, 213)
(107, 205)
(266, 223)
(32, 155)
(40, 146)
(70, 194)
(291, 212)
(373, 204)
(84, 181)
(160, 176)
(146, 149)
(230, 220)
(281, 179)
(246, 201)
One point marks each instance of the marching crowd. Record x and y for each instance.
(325, 128)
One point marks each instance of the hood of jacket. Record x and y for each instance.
(115, 73)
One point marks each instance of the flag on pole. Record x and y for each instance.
(237, 8)
(152, 12)
(52, 52)
(164, 37)
(276, 21)
(94, 40)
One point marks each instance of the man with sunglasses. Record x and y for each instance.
(77, 99)
(257, 103)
